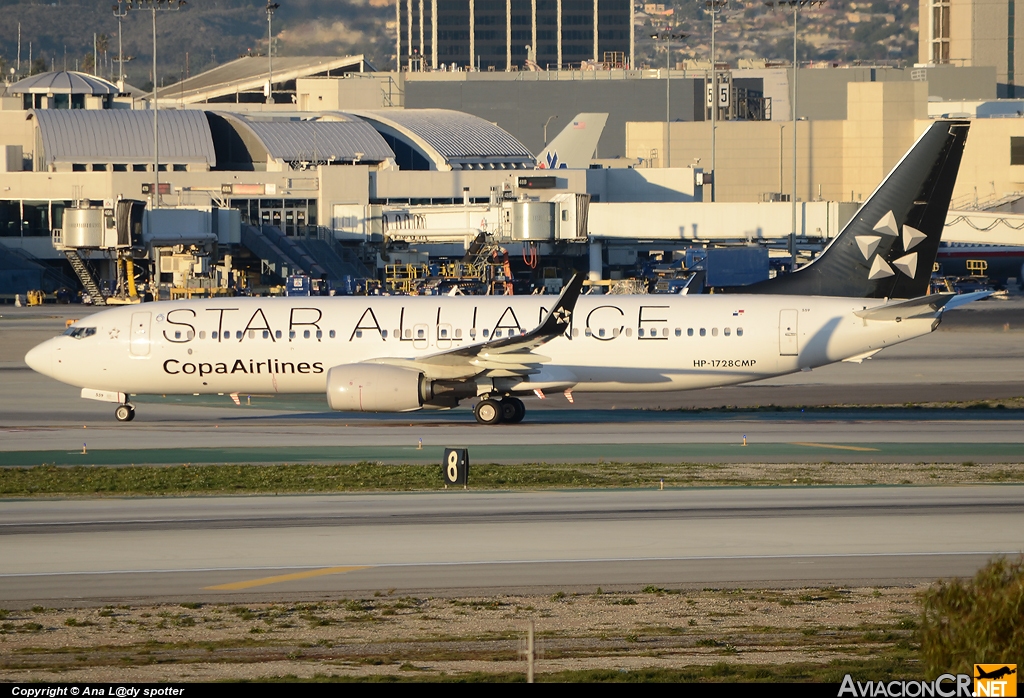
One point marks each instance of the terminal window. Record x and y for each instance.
(1017, 150)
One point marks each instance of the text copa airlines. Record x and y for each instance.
(273, 366)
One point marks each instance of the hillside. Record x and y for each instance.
(205, 33)
(209, 32)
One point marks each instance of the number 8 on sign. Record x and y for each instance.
(453, 466)
(456, 466)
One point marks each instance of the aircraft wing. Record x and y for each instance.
(923, 306)
(509, 356)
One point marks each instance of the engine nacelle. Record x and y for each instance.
(376, 388)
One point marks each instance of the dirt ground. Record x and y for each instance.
(387, 634)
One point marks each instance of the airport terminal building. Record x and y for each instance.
(355, 174)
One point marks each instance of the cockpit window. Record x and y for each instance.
(80, 332)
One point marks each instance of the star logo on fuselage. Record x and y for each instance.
(115, 333)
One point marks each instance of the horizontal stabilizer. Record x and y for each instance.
(965, 298)
(923, 306)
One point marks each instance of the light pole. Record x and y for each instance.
(153, 6)
(668, 36)
(714, 6)
(120, 11)
(796, 5)
(553, 116)
(271, 6)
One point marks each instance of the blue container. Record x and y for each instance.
(736, 266)
(297, 285)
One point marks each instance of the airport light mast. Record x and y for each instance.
(120, 11)
(154, 6)
(271, 7)
(668, 36)
(714, 7)
(796, 5)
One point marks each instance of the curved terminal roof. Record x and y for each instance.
(452, 140)
(123, 136)
(64, 82)
(342, 139)
(250, 74)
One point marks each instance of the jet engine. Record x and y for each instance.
(384, 388)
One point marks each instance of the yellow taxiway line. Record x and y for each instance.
(844, 448)
(263, 581)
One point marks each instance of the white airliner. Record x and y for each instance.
(398, 354)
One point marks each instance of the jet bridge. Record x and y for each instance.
(107, 231)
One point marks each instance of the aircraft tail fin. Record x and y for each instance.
(888, 248)
(574, 147)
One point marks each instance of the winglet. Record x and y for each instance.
(470, 360)
(559, 317)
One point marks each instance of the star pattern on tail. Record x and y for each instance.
(888, 227)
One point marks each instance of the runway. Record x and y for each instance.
(98, 551)
(457, 542)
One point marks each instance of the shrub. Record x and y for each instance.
(976, 621)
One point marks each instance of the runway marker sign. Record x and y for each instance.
(456, 466)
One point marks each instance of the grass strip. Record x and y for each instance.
(899, 666)
(301, 478)
(51, 480)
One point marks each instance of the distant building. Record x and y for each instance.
(974, 33)
(65, 90)
(510, 35)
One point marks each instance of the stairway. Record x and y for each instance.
(21, 271)
(330, 257)
(85, 276)
(314, 257)
(272, 246)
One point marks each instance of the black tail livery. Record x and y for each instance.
(888, 248)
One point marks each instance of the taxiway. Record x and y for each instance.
(463, 542)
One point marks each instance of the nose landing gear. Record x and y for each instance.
(125, 412)
(509, 410)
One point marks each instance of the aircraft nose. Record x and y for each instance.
(40, 358)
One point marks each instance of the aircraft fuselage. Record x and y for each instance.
(614, 343)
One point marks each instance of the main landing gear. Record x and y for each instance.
(509, 410)
(125, 412)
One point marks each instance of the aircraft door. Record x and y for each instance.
(444, 336)
(789, 339)
(420, 336)
(140, 334)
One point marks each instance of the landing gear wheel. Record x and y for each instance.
(512, 410)
(124, 413)
(487, 411)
